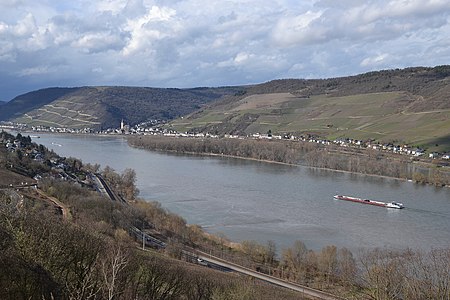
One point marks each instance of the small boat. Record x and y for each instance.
(396, 205)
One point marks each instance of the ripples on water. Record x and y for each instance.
(250, 200)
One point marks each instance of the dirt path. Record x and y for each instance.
(64, 209)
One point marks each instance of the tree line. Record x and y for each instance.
(363, 161)
(377, 274)
(94, 256)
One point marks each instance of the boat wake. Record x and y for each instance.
(428, 212)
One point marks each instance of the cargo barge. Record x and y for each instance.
(396, 205)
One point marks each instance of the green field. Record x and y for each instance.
(385, 117)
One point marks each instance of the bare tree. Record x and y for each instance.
(327, 262)
(112, 266)
(271, 252)
(92, 168)
(156, 280)
(382, 274)
(294, 261)
(128, 184)
(427, 275)
(346, 266)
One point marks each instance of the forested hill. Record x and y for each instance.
(409, 105)
(103, 107)
(33, 100)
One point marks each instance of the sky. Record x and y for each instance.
(192, 43)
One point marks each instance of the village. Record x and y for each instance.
(157, 127)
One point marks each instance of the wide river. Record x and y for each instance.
(250, 200)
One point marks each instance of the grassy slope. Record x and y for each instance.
(410, 105)
(26, 102)
(97, 107)
(413, 109)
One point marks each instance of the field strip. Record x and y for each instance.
(73, 119)
(71, 110)
(343, 117)
(50, 122)
(57, 124)
(364, 126)
(376, 132)
(267, 123)
(360, 117)
(184, 123)
(425, 112)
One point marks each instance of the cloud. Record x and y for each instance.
(299, 29)
(360, 21)
(112, 6)
(42, 70)
(154, 25)
(375, 60)
(98, 42)
(193, 43)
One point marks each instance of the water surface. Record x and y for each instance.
(250, 200)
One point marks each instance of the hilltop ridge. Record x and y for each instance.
(409, 105)
(103, 107)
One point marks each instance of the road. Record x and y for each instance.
(101, 187)
(296, 287)
(106, 190)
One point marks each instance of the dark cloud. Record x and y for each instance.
(193, 43)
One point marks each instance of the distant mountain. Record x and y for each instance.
(403, 106)
(29, 101)
(409, 105)
(103, 107)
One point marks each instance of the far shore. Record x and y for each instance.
(283, 163)
(36, 134)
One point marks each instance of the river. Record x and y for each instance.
(251, 200)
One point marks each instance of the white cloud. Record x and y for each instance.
(112, 6)
(97, 42)
(241, 57)
(299, 29)
(375, 61)
(144, 30)
(196, 43)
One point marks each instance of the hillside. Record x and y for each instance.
(62, 239)
(103, 107)
(401, 106)
(410, 105)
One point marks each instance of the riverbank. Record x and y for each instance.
(245, 199)
(321, 157)
(331, 158)
(302, 154)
